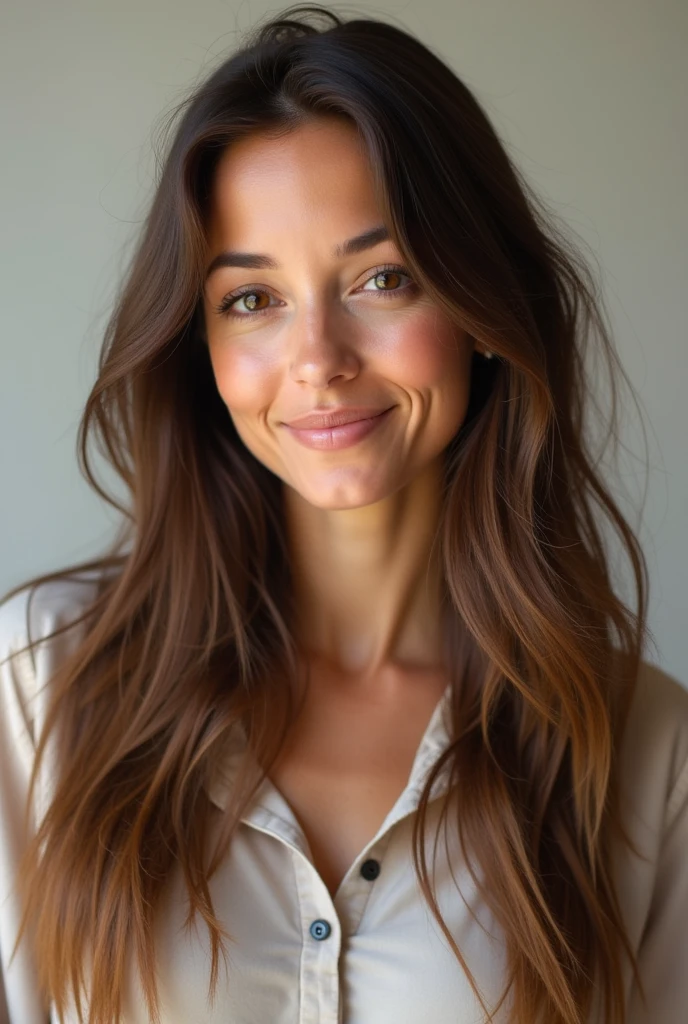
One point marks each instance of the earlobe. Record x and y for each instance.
(485, 353)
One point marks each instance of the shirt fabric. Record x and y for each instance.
(374, 953)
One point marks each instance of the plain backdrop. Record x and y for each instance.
(589, 97)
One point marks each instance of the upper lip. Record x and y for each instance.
(334, 417)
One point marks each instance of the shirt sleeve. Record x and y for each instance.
(663, 949)
(20, 1001)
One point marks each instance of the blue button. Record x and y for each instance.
(320, 930)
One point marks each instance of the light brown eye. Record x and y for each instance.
(249, 295)
(385, 276)
(250, 300)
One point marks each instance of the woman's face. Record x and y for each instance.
(322, 327)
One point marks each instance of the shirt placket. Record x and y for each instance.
(321, 930)
(326, 923)
(322, 941)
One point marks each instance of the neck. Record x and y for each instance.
(368, 581)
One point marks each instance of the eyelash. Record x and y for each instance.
(224, 308)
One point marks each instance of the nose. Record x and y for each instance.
(320, 353)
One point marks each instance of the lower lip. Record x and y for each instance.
(334, 438)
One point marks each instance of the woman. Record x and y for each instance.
(353, 683)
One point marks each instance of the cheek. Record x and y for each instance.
(429, 352)
(247, 384)
(245, 380)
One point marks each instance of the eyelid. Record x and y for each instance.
(223, 308)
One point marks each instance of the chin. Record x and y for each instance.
(343, 495)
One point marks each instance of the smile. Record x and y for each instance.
(336, 438)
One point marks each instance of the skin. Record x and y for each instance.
(360, 520)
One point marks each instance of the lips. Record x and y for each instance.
(337, 428)
(334, 417)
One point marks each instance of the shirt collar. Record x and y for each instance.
(267, 798)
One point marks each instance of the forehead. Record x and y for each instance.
(317, 172)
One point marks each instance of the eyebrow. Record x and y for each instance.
(261, 261)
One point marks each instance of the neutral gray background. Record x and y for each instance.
(590, 98)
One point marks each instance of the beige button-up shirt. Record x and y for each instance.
(373, 954)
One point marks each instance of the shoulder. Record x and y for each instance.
(652, 874)
(654, 749)
(34, 611)
(29, 617)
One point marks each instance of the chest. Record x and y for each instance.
(346, 762)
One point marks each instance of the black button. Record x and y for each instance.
(320, 930)
(370, 869)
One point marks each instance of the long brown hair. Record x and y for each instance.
(190, 630)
